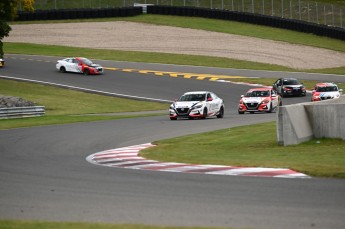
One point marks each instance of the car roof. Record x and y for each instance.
(260, 89)
(325, 84)
(289, 79)
(196, 92)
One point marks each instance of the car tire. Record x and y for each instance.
(271, 108)
(204, 114)
(241, 112)
(221, 113)
(86, 72)
(62, 69)
(172, 118)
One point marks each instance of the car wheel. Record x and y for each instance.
(86, 71)
(271, 108)
(241, 112)
(62, 69)
(172, 118)
(221, 113)
(204, 114)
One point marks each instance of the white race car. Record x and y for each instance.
(259, 100)
(324, 91)
(197, 104)
(79, 65)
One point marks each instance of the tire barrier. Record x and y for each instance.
(258, 19)
(21, 112)
(65, 14)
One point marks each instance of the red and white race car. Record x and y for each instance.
(197, 104)
(259, 100)
(324, 91)
(79, 65)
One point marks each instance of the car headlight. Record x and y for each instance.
(197, 107)
(172, 106)
(265, 101)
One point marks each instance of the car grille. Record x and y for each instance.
(182, 111)
(251, 106)
(295, 91)
(326, 97)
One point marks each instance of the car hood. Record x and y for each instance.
(253, 99)
(95, 66)
(184, 104)
(327, 94)
(294, 86)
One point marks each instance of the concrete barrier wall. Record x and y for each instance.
(293, 125)
(328, 118)
(301, 122)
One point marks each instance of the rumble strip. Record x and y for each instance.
(128, 157)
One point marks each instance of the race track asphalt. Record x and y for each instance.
(44, 174)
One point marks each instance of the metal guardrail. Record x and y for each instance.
(304, 10)
(21, 112)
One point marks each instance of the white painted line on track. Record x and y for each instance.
(86, 89)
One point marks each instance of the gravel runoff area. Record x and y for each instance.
(130, 36)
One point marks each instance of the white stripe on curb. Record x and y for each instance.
(128, 157)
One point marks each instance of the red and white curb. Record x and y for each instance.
(128, 157)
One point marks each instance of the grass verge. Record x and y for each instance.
(68, 106)
(214, 25)
(12, 224)
(253, 146)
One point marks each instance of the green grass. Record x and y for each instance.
(223, 26)
(12, 224)
(53, 50)
(254, 146)
(68, 106)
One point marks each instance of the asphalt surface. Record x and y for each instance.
(44, 174)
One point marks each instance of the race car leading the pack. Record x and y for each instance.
(259, 100)
(79, 65)
(324, 91)
(197, 104)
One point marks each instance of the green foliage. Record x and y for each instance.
(8, 11)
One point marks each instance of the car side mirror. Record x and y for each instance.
(313, 91)
(242, 96)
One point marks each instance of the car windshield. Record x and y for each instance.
(193, 97)
(325, 89)
(291, 82)
(86, 61)
(257, 94)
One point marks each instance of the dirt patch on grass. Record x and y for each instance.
(130, 36)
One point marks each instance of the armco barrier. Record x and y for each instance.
(278, 22)
(21, 112)
(301, 122)
(64, 14)
(258, 19)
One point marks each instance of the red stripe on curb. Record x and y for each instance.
(128, 157)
